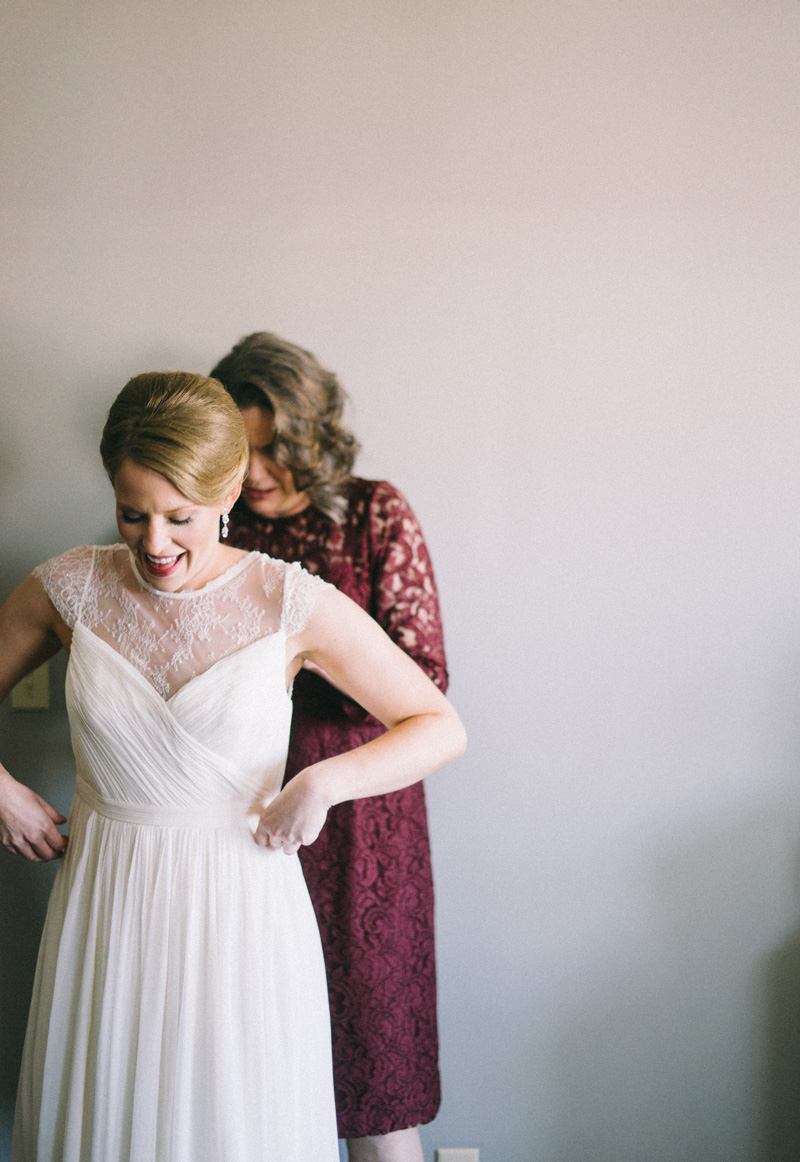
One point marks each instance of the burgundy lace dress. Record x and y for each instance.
(369, 872)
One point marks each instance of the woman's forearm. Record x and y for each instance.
(407, 752)
(403, 755)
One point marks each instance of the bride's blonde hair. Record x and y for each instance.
(185, 427)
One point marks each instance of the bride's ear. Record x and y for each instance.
(233, 496)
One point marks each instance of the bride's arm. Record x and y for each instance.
(423, 729)
(28, 637)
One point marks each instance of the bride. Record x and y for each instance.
(179, 1011)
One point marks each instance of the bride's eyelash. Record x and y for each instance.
(134, 520)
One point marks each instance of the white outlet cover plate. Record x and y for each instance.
(458, 1154)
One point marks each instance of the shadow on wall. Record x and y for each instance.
(668, 1062)
(23, 900)
(36, 750)
(781, 1122)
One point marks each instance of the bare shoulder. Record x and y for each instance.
(342, 640)
(334, 615)
(339, 628)
(30, 609)
(31, 631)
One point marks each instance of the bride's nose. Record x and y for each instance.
(155, 537)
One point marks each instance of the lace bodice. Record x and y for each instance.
(170, 638)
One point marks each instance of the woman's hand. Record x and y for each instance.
(294, 818)
(28, 823)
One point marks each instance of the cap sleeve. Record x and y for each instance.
(300, 591)
(64, 580)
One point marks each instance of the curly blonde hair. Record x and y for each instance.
(306, 401)
(185, 427)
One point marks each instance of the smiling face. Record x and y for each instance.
(269, 487)
(175, 541)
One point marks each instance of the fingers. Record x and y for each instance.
(47, 847)
(52, 846)
(49, 843)
(38, 841)
(41, 850)
(294, 817)
(280, 843)
(275, 840)
(28, 824)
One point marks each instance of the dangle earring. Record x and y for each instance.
(224, 524)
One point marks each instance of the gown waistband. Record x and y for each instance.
(209, 815)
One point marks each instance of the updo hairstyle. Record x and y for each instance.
(185, 427)
(306, 401)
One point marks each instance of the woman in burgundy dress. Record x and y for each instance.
(369, 871)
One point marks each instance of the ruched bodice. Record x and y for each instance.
(222, 736)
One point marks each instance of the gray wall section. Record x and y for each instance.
(36, 750)
(552, 250)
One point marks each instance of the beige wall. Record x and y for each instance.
(552, 249)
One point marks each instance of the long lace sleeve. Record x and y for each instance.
(405, 599)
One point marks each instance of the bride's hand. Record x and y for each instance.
(294, 818)
(28, 823)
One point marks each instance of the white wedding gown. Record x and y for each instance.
(180, 1010)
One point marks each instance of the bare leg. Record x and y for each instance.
(400, 1146)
